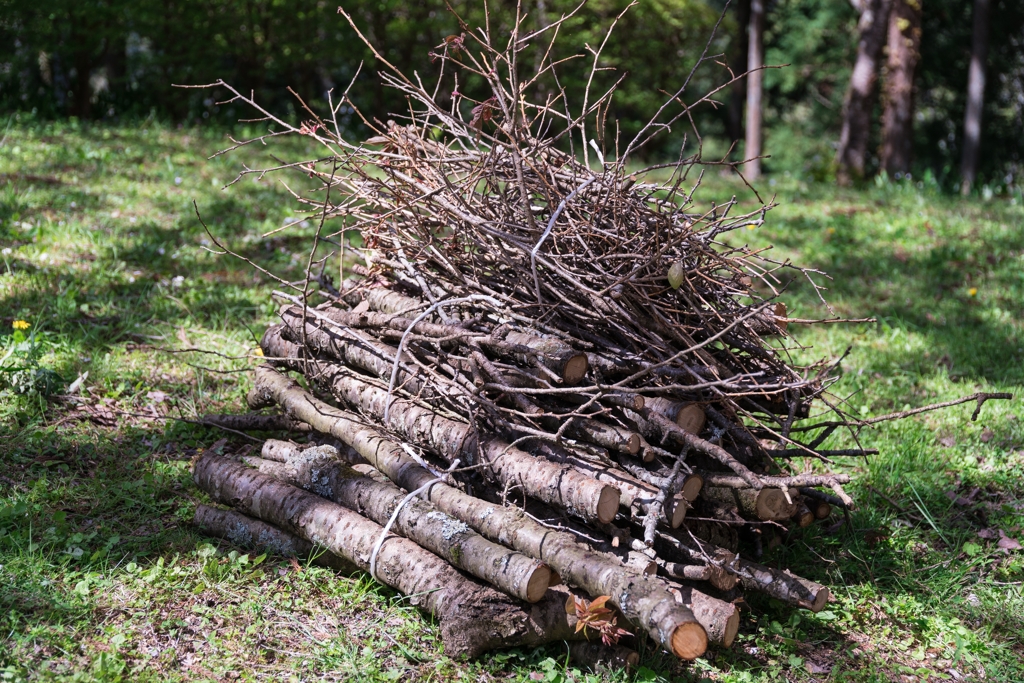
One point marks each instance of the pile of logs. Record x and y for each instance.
(585, 490)
(550, 400)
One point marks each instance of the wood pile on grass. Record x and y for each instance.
(552, 401)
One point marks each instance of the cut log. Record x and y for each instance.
(551, 483)
(608, 436)
(253, 534)
(802, 514)
(255, 422)
(473, 618)
(691, 418)
(645, 601)
(782, 585)
(635, 495)
(715, 575)
(720, 619)
(692, 486)
(766, 504)
(318, 470)
(569, 365)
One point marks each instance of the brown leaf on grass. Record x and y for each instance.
(988, 534)
(295, 564)
(1007, 543)
(986, 435)
(948, 441)
(815, 668)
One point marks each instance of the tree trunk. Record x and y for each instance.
(473, 618)
(860, 97)
(898, 117)
(755, 88)
(975, 96)
(738, 90)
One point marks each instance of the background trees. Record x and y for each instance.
(110, 59)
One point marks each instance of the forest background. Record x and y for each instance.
(117, 60)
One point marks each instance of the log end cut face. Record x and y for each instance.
(691, 418)
(575, 369)
(608, 504)
(771, 504)
(689, 641)
(820, 600)
(537, 584)
(732, 627)
(692, 486)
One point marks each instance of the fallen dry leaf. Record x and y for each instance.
(815, 668)
(1007, 543)
(986, 435)
(948, 441)
(988, 534)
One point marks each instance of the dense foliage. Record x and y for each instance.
(113, 59)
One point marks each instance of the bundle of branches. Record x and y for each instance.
(560, 356)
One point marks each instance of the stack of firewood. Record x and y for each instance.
(560, 474)
(550, 400)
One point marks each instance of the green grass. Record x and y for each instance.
(104, 580)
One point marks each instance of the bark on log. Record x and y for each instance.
(255, 422)
(645, 601)
(283, 451)
(569, 364)
(557, 356)
(605, 435)
(254, 534)
(321, 472)
(687, 416)
(473, 618)
(782, 585)
(715, 575)
(555, 484)
(634, 494)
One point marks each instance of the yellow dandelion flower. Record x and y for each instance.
(830, 230)
(973, 291)
(21, 325)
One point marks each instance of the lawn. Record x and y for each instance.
(103, 579)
